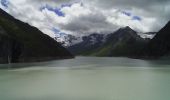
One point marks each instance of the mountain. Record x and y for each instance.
(123, 42)
(67, 39)
(88, 44)
(20, 42)
(160, 45)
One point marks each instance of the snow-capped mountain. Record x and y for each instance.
(67, 39)
(124, 41)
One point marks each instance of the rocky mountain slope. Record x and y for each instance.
(123, 42)
(159, 46)
(88, 44)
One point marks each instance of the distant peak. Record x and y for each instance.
(127, 28)
(168, 23)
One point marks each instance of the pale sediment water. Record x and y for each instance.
(87, 78)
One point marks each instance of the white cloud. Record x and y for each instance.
(90, 16)
(76, 10)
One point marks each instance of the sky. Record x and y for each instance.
(83, 17)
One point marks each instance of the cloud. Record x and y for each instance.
(85, 24)
(56, 10)
(82, 17)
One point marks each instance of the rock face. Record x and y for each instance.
(159, 46)
(123, 42)
(88, 44)
(67, 39)
(20, 42)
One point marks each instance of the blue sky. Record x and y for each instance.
(56, 10)
(134, 17)
(137, 18)
(127, 13)
(5, 3)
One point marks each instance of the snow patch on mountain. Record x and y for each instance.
(149, 35)
(67, 39)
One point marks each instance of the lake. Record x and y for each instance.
(87, 78)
